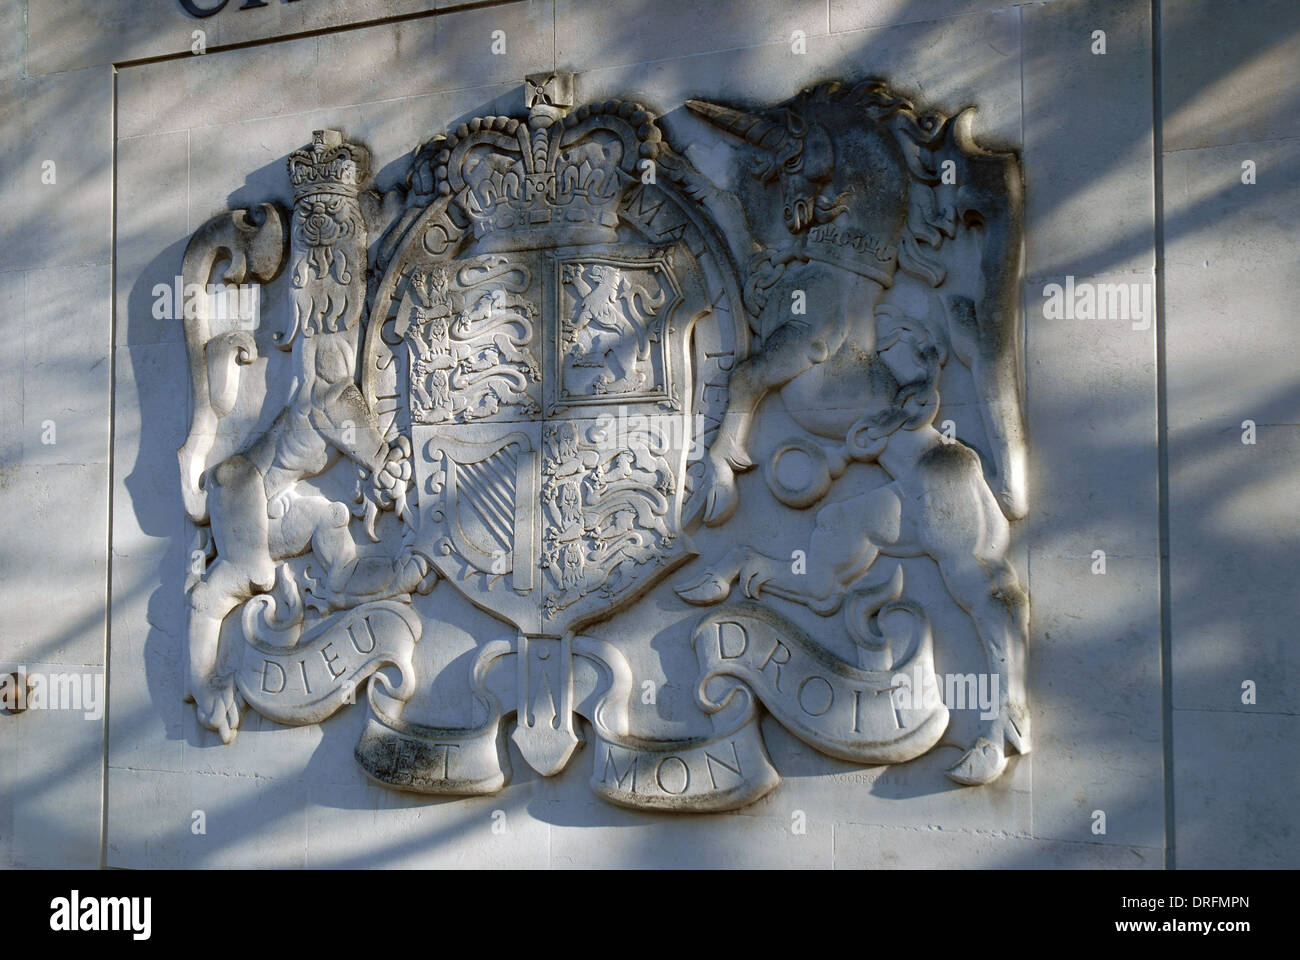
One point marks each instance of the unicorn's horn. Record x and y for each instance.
(753, 128)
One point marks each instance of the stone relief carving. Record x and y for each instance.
(538, 370)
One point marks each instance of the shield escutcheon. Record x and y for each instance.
(553, 331)
(548, 428)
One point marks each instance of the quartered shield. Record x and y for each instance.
(544, 390)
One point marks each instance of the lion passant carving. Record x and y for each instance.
(528, 380)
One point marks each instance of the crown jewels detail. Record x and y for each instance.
(553, 178)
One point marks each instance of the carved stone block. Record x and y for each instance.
(531, 381)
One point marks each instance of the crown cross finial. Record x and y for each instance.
(553, 89)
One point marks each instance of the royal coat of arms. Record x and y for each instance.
(526, 380)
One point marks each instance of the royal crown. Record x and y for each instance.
(329, 165)
(555, 178)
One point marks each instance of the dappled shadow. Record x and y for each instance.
(1083, 128)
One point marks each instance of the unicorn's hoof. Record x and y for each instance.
(982, 763)
(752, 582)
(720, 502)
(712, 589)
(738, 459)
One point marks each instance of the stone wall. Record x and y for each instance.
(1133, 172)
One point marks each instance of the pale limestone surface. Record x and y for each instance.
(57, 279)
(198, 135)
(1230, 96)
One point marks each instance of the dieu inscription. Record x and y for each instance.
(462, 347)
